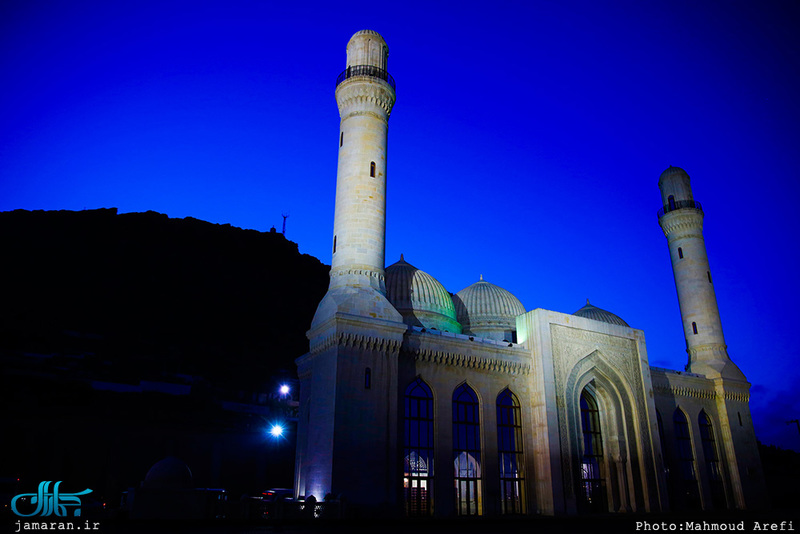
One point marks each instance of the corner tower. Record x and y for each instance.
(681, 219)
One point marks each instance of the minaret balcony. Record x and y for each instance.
(366, 70)
(679, 205)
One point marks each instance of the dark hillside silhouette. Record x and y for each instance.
(127, 338)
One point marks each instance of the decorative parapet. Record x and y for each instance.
(353, 340)
(685, 391)
(683, 384)
(456, 359)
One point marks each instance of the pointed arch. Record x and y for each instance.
(511, 457)
(418, 448)
(592, 494)
(689, 494)
(711, 457)
(467, 450)
(629, 472)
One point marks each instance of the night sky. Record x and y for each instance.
(525, 145)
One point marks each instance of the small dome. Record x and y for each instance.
(420, 298)
(169, 473)
(670, 171)
(599, 314)
(489, 311)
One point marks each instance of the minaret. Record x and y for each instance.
(365, 94)
(681, 219)
(348, 379)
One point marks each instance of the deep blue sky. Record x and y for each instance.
(525, 145)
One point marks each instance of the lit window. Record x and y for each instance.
(372, 169)
(418, 449)
(509, 447)
(467, 451)
(592, 490)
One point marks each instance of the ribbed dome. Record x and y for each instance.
(420, 298)
(599, 314)
(489, 311)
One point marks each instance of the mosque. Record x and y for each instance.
(416, 401)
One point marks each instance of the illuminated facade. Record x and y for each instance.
(415, 401)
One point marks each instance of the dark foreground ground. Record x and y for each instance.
(774, 521)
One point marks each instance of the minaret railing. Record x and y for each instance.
(680, 204)
(365, 70)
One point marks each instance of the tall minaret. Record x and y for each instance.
(348, 379)
(681, 219)
(365, 94)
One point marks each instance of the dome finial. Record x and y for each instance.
(481, 277)
(401, 257)
(587, 301)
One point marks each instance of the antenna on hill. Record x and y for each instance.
(285, 216)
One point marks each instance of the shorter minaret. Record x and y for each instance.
(681, 219)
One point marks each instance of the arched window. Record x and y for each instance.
(467, 450)
(418, 448)
(688, 477)
(680, 252)
(671, 201)
(694, 328)
(592, 491)
(509, 447)
(372, 169)
(712, 461)
(367, 378)
(661, 440)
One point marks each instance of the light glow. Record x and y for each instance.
(276, 431)
(284, 389)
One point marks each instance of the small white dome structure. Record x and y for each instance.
(420, 298)
(488, 311)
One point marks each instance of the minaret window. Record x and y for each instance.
(694, 328)
(680, 252)
(712, 461)
(509, 447)
(592, 490)
(671, 201)
(341, 139)
(372, 169)
(467, 451)
(688, 477)
(418, 448)
(367, 378)
(709, 276)
(334, 244)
